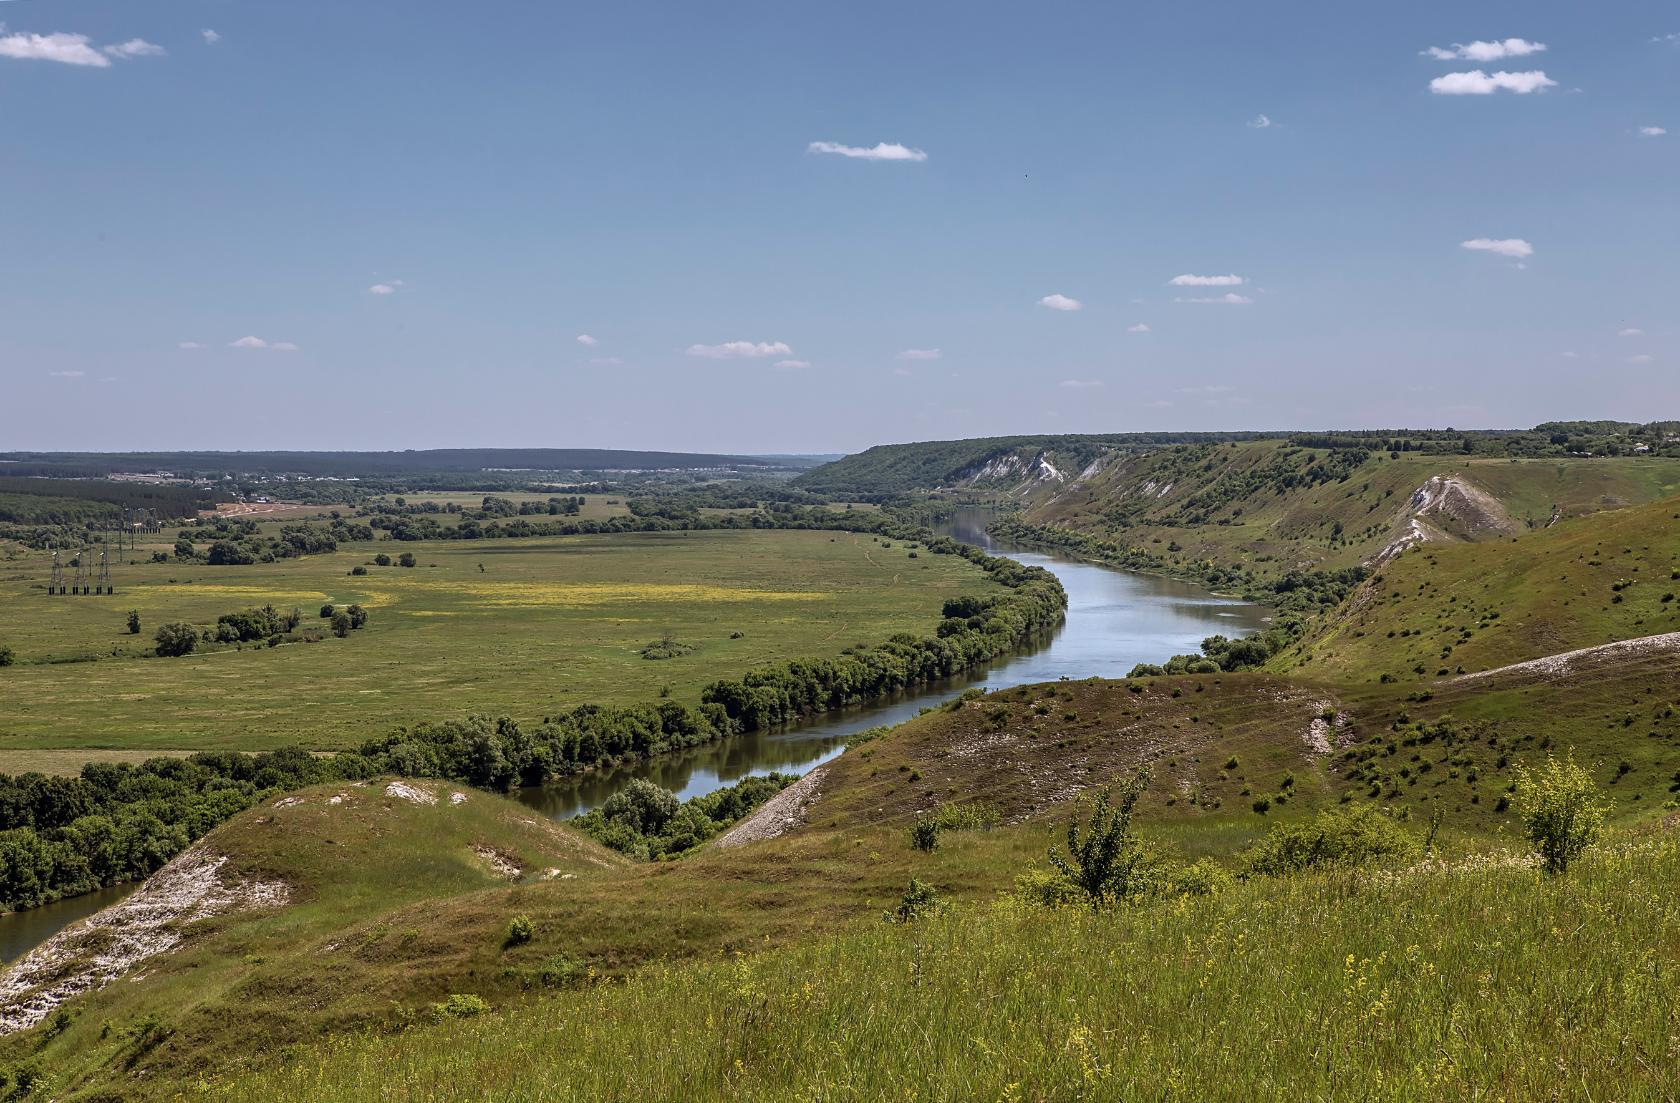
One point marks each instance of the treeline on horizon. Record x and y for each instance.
(40, 501)
(116, 822)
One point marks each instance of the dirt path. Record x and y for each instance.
(1568, 661)
(779, 815)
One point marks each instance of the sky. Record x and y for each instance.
(801, 227)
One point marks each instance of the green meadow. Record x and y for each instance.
(521, 627)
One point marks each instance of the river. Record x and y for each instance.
(1115, 620)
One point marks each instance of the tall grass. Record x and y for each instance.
(1481, 981)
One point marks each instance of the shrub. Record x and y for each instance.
(382, 560)
(177, 639)
(1347, 835)
(134, 622)
(1106, 861)
(1047, 888)
(341, 624)
(924, 833)
(1560, 810)
(520, 930)
(327, 610)
(641, 806)
(461, 1005)
(1203, 877)
(358, 570)
(919, 901)
(1263, 805)
(7, 655)
(406, 559)
(358, 616)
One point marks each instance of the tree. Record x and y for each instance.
(7, 655)
(1106, 861)
(134, 622)
(358, 616)
(327, 610)
(341, 624)
(174, 640)
(406, 559)
(1560, 809)
(642, 806)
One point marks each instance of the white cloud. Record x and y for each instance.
(735, 350)
(1080, 384)
(68, 49)
(1230, 297)
(920, 354)
(585, 339)
(259, 343)
(67, 374)
(1261, 122)
(1652, 131)
(791, 364)
(1486, 51)
(189, 345)
(1630, 332)
(210, 36)
(1061, 302)
(880, 151)
(387, 288)
(1141, 327)
(1477, 83)
(1206, 281)
(1670, 39)
(135, 47)
(1642, 358)
(1514, 247)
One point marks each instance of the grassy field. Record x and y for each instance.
(520, 627)
(1479, 981)
(1468, 607)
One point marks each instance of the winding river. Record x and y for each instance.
(1115, 619)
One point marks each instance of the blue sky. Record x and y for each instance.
(417, 211)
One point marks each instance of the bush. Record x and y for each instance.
(1348, 835)
(174, 640)
(520, 930)
(358, 616)
(1560, 810)
(358, 570)
(1047, 888)
(461, 1005)
(1106, 861)
(134, 622)
(341, 624)
(406, 559)
(919, 901)
(328, 610)
(924, 833)
(7, 655)
(641, 806)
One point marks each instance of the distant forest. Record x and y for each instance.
(29, 501)
(383, 464)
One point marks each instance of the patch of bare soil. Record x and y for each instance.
(778, 815)
(91, 954)
(1568, 662)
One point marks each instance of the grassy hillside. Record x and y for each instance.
(1438, 982)
(522, 627)
(1451, 609)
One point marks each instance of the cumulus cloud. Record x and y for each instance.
(67, 374)
(1061, 302)
(920, 354)
(1477, 83)
(67, 49)
(386, 287)
(1230, 297)
(1630, 332)
(737, 350)
(135, 47)
(259, 343)
(1652, 131)
(880, 151)
(1514, 247)
(585, 339)
(1080, 384)
(1668, 39)
(1141, 327)
(1261, 122)
(1206, 281)
(791, 364)
(210, 36)
(1486, 51)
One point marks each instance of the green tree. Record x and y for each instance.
(341, 624)
(134, 622)
(406, 559)
(358, 616)
(328, 610)
(1560, 809)
(1106, 861)
(176, 639)
(7, 655)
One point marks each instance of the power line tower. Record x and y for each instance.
(80, 585)
(104, 584)
(56, 586)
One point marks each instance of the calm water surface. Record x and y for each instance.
(21, 932)
(1115, 620)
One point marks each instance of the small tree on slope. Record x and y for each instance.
(1106, 861)
(1560, 809)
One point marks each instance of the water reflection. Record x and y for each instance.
(22, 931)
(1116, 619)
